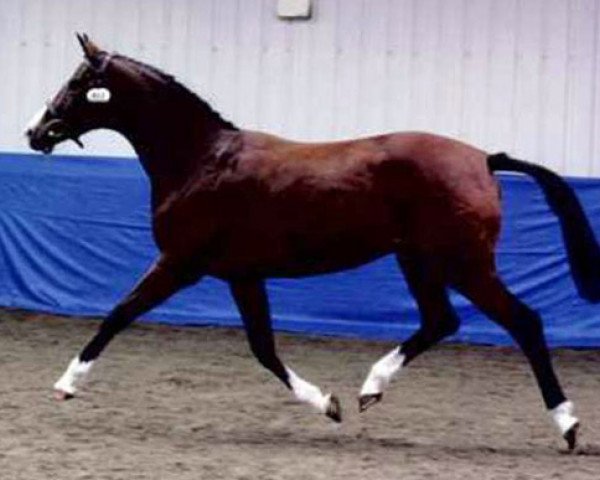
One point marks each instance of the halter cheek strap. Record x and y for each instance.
(106, 59)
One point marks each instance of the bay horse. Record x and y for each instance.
(244, 206)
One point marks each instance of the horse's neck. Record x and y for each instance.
(171, 145)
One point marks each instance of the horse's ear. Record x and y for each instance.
(90, 49)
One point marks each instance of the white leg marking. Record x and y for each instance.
(35, 119)
(382, 372)
(307, 392)
(563, 416)
(74, 376)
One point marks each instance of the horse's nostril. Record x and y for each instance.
(28, 132)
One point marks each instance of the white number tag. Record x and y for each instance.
(98, 95)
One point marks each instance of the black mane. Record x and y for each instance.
(171, 83)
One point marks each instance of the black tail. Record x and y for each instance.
(582, 249)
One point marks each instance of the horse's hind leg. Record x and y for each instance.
(253, 304)
(438, 320)
(160, 282)
(483, 287)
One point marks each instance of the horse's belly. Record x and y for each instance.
(298, 257)
(316, 264)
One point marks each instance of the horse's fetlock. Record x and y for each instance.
(265, 357)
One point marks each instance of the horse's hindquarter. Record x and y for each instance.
(452, 201)
(291, 209)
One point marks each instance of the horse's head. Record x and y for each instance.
(85, 102)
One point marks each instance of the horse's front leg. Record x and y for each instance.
(163, 279)
(253, 304)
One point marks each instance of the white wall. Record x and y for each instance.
(513, 75)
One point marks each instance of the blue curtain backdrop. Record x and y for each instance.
(75, 237)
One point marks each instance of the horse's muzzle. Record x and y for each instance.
(44, 138)
(39, 144)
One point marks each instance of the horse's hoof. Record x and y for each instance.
(571, 436)
(366, 401)
(61, 395)
(334, 409)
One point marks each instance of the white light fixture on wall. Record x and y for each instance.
(291, 9)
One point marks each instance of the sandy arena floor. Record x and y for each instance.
(191, 403)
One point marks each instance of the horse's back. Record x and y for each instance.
(419, 173)
(414, 155)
